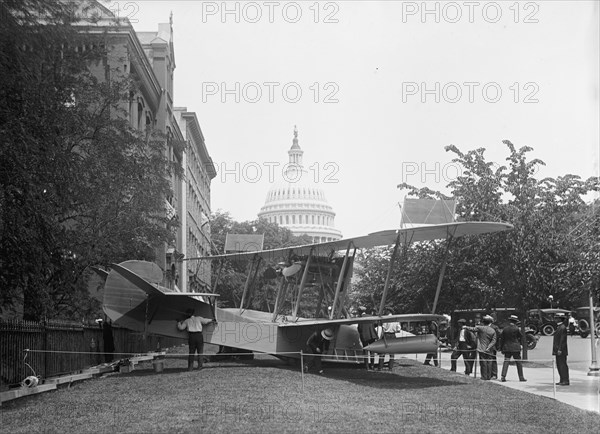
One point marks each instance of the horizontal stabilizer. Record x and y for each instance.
(138, 281)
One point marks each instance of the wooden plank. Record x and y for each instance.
(69, 378)
(25, 391)
(100, 369)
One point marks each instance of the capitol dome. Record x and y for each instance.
(297, 202)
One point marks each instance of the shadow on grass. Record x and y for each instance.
(388, 380)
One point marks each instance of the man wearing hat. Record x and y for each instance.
(559, 349)
(368, 334)
(510, 345)
(464, 346)
(486, 341)
(318, 344)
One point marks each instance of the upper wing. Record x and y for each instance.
(411, 317)
(382, 238)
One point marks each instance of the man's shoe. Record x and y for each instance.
(522, 379)
(426, 363)
(503, 380)
(563, 384)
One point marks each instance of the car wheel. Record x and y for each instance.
(548, 330)
(531, 342)
(584, 326)
(534, 329)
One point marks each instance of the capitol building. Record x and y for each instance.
(298, 203)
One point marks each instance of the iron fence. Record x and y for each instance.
(60, 347)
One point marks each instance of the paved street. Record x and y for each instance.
(584, 391)
(579, 351)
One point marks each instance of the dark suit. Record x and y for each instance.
(510, 345)
(559, 345)
(317, 346)
(464, 348)
(368, 335)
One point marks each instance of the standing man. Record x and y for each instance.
(389, 331)
(559, 349)
(433, 329)
(464, 345)
(495, 350)
(368, 335)
(195, 339)
(486, 342)
(510, 345)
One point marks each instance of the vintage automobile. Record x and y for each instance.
(582, 316)
(543, 320)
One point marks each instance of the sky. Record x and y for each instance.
(377, 89)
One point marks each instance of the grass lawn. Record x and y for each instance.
(265, 395)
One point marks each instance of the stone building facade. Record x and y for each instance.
(149, 58)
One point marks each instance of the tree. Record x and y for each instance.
(233, 274)
(553, 248)
(78, 186)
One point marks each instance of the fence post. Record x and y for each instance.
(302, 368)
(553, 379)
(45, 331)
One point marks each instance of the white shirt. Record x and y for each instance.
(391, 327)
(193, 323)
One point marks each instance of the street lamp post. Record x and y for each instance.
(594, 369)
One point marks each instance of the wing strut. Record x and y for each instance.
(280, 299)
(389, 274)
(221, 262)
(247, 283)
(302, 284)
(443, 270)
(340, 280)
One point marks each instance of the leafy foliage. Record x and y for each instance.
(79, 186)
(553, 249)
(233, 274)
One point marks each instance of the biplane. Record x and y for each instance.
(134, 297)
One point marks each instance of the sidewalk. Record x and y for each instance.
(541, 378)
